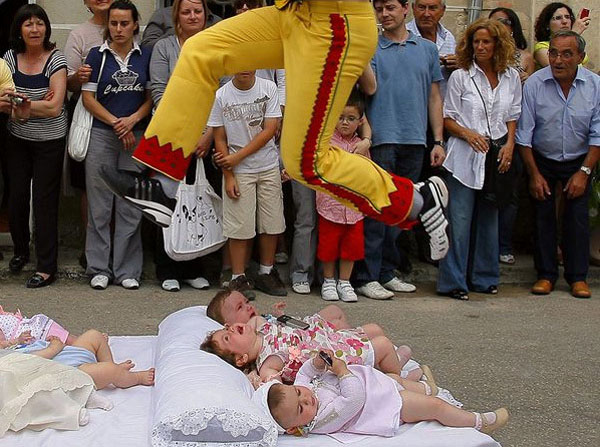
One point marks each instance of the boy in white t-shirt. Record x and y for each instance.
(245, 117)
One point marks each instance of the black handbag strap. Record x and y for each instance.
(487, 117)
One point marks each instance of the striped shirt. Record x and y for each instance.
(35, 87)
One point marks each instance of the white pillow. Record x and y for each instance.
(199, 399)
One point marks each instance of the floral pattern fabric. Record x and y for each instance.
(295, 346)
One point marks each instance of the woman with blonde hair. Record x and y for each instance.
(482, 105)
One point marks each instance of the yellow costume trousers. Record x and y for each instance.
(324, 47)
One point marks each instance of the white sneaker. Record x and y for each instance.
(397, 285)
(130, 283)
(346, 292)
(375, 291)
(99, 282)
(198, 283)
(507, 259)
(328, 290)
(171, 285)
(301, 287)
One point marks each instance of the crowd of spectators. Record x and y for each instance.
(477, 109)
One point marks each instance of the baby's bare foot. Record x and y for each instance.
(105, 335)
(127, 364)
(145, 377)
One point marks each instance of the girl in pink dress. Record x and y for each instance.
(361, 400)
(278, 351)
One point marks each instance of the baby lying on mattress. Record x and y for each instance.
(278, 351)
(92, 355)
(15, 328)
(229, 307)
(330, 397)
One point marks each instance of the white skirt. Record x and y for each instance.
(38, 393)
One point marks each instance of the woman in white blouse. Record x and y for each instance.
(483, 103)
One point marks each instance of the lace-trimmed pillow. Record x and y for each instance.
(199, 399)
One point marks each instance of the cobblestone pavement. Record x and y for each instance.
(538, 356)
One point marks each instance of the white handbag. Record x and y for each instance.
(81, 126)
(197, 222)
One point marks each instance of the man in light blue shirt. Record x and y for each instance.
(559, 139)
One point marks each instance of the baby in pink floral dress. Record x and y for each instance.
(278, 351)
(295, 346)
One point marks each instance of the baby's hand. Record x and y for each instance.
(278, 308)
(56, 342)
(339, 367)
(319, 363)
(25, 338)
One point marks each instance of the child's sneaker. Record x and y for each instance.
(329, 291)
(433, 216)
(301, 287)
(242, 285)
(346, 292)
(225, 277)
(502, 417)
(270, 283)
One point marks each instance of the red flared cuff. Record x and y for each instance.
(402, 199)
(163, 158)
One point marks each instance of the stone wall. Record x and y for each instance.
(456, 19)
(66, 13)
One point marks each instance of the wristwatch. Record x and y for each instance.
(439, 143)
(585, 169)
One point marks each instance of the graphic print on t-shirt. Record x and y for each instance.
(252, 114)
(126, 82)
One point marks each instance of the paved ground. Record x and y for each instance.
(539, 356)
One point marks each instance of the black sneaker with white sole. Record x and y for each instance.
(433, 216)
(143, 192)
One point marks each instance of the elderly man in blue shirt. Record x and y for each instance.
(559, 139)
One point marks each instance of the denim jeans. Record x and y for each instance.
(472, 261)
(576, 230)
(381, 254)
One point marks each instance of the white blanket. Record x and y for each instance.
(127, 424)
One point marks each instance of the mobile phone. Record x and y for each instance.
(15, 99)
(293, 322)
(326, 358)
(584, 14)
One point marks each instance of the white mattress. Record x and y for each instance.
(128, 423)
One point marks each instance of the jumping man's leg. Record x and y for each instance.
(245, 42)
(326, 46)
